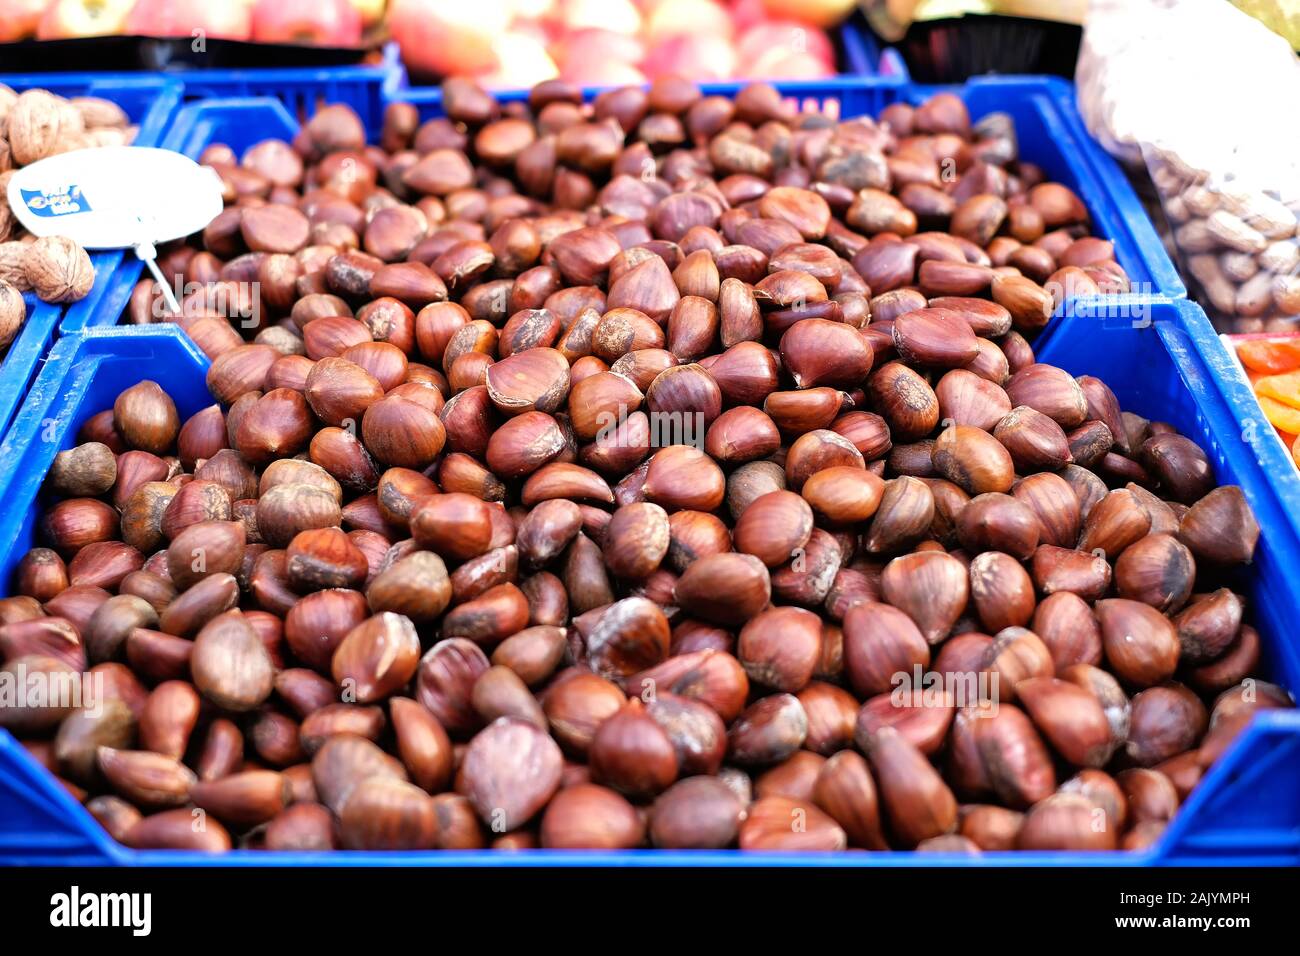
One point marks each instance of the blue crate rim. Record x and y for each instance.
(1248, 417)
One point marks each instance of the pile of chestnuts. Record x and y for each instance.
(635, 474)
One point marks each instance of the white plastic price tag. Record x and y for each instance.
(115, 197)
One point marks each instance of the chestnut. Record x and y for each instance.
(632, 754)
(695, 813)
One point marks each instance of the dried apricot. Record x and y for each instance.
(1283, 388)
(1281, 416)
(1270, 356)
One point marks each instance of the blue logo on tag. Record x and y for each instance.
(56, 202)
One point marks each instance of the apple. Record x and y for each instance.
(747, 13)
(775, 40)
(700, 17)
(781, 65)
(18, 18)
(603, 73)
(187, 18)
(524, 61)
(616, 16)
(702, 57)
(446, 37)
(535, 9)
(372, 11)
(317, 22)
(65, 19)
(818, 13)
(598, 52)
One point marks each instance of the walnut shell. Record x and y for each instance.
(10, 228)
(58, 269)
(38, 123)
(7, 98)
(107, 136)
(12, 256)
(13, 312)
(97, 112)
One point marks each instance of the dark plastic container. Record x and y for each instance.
(149, 101)
(1246, 811)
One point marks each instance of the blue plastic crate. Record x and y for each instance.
(304, 90)
(1040, 106)
(1248, 420)
(149, 101)
(1245, 812)
(21, 363)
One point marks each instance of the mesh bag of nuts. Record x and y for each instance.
(1227, 171)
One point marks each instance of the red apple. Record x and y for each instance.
(747, 13)
(702, 57)
(316, 22)
(776, 39)
(64, 19)
(190, 18)
(589, 53)
(444, 37)
(18, 18)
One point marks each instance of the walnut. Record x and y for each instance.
(7, 98)
(13, 312)
(38, 122)
(97, 112)
(70, 141)
(106, 136)
(5, 176)
(9, 226)
(58, 269)
(12, 257)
